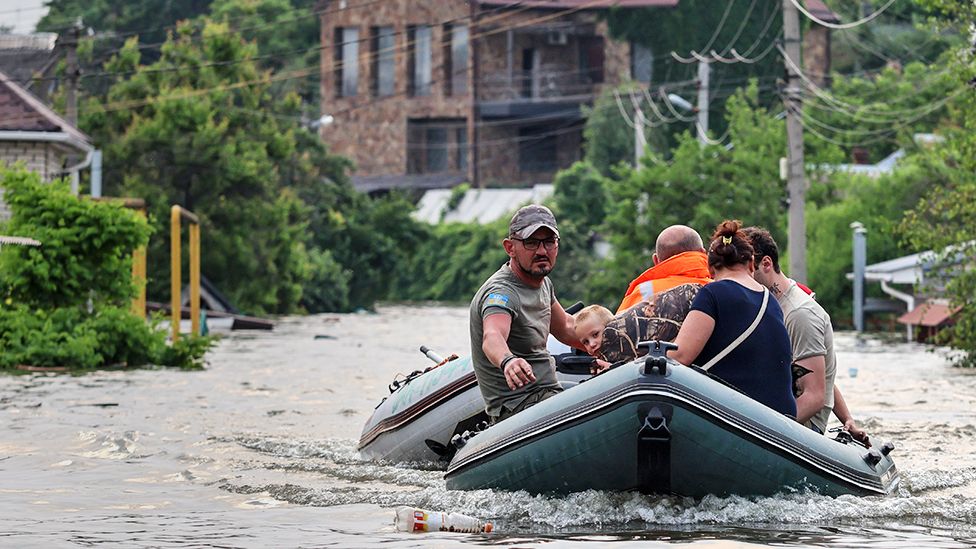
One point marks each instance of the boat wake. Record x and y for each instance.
(330, 472)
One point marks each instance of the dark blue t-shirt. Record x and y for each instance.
(760, 365)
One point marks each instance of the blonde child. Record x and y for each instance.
(589, 325)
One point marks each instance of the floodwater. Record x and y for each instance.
(259, 450)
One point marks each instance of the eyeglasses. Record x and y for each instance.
(532, 244)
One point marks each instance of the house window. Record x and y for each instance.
(384, 67)
(420, 60)
(456, 60)
(436, 145)
(461, 139)
(641, 63)
(436, 150)
(591, 59)
(347, 61)
(537, 149)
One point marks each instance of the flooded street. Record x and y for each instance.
(259, 450)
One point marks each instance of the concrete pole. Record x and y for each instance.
(860, 251)
(473, 115)
(96, 174)
(72, 72)
(796, 182)
(704, 72)
(640, 141)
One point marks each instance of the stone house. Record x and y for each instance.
(431, 93)
(32, 133)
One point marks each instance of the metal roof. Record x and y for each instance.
(478, 205)
(582, 4)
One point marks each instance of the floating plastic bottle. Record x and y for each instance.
(410, 519)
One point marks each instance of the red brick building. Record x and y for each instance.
(430, 93)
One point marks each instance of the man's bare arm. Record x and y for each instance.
(812, 386)
(561, 326)
(494, 343)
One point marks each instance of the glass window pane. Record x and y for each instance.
(350, 61)
(422, 60)
(641, 63)
(436, 150)
(462, 148)
(459, 60)
(385, 73)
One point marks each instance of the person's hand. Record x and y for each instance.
(599, 366)
(859, 434)
(518, 372)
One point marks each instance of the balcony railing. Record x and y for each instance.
(540, 85)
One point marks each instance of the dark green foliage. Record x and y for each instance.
(219, 152)
(452, 262)
(148, 18)
(86, 251)
(944, 219)
(67, 302)
(876, 203)
(287, 35)
(608, 136)
(883, 112)
(701, 186)
(580, 204)
(282, 227)
(690, 26)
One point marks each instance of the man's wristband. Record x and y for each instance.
(505, 361)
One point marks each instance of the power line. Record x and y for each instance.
(830, 25)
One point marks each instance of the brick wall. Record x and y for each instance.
(373, 131)
(816, 54)
(39, 157)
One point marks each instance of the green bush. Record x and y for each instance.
(66, 302)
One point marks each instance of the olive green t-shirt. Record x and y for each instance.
(530, 309)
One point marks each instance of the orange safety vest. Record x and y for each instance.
(684, 268)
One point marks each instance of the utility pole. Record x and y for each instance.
(796, 181)
(640, 141)
(859, 249)
(72, 72)
(704, 71)
(473, 114)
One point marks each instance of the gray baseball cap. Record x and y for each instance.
(530, 219)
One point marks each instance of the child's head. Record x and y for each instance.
(589, 324)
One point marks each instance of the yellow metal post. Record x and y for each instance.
(139, 275)
(176, 264)
(195, 278)
(175, 254)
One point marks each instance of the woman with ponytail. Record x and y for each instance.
(735, 330)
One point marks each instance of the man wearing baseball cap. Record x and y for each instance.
(512, 316)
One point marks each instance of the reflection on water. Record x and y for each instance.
(259, 450)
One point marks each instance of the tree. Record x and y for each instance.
(67, 301)
(944, 220)
(703, 184)
(580, 203)
(609, 136)
(114, 22)
(750, 26)
(198, 128)
(878, 203)
(287, 35)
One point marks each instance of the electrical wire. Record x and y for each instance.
(830, 25)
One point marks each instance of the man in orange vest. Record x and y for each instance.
(679, 258)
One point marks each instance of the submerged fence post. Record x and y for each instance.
(860, 261)
(177, 213)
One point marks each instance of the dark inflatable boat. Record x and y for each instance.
(656, 426)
